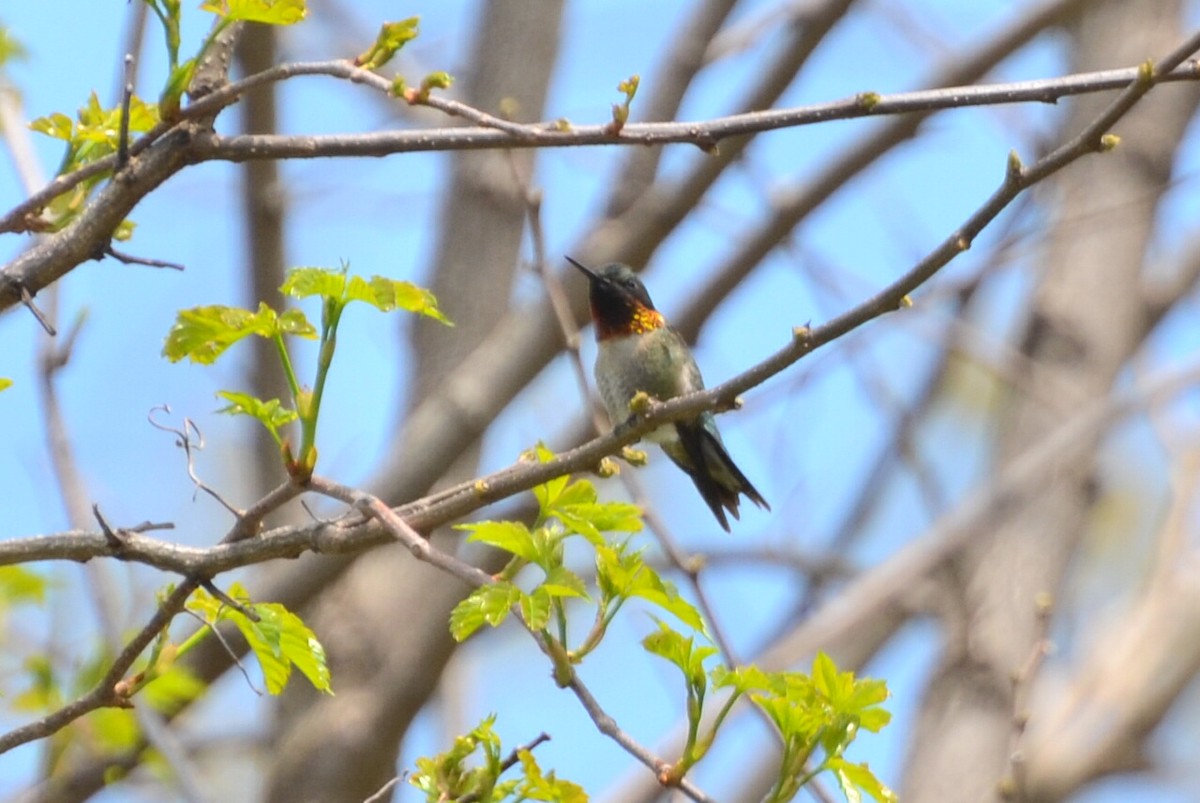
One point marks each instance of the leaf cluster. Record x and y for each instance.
(472, 768)
(568, 511)
(203, 334)
(279, 638)
(817, 715)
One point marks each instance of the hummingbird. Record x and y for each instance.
(638, 351)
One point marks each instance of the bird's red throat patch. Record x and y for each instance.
(640, 321)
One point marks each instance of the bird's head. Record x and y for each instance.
(619, 301)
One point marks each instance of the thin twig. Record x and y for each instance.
(191, 440)
(130, 259)
(212, 588)
(39, 316)
(233, 655)
(1012, 784)
(126, 101)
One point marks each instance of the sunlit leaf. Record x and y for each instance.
(535, 608)
(44, 692)
(489, 604)
(10, 48)
(647, 585)
(271, 12)
(856, 778)
(306, 282)
(538, 785)
(18, 584)
(271, 412)
(680, 651)
(389, 294)
(203, 333)
(5, 383)
(114, 729)
(741, 679)
(172, 689)
(56, 125)
(392, 37)
(511, 536)
(562, 582)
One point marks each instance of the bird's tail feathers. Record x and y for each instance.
(717, 477)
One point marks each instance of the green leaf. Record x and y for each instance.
(741, 679)
(323, 282)
(172, 689)
(56, 125)
(178, 81)
(562, 582)
(18, 585)
(435, 80)
(620, 111)
(44, 692)
(548, 492)
(682, 652)
(535, 608)
(853, 778)
(10, 48)
(488, 604)
(649, 586)
(281, 640)
(389, 294)
(392, 37)
(5, 383)
(271, 413)
(294, 322)
(203, 333)
(114, 729)
(537, 785)
(271, 12)
(591, 519)
(826, 679)
(510, 536)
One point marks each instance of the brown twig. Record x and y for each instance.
(130, 259)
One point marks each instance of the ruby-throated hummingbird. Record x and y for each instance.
(638, 351)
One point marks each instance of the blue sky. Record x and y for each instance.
(803, 437)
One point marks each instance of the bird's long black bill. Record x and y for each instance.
(591, 274)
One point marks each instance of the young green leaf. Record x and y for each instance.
(857, 778)
(682, 652)
(647, 585)
(389, 294)
(271, 413)
(741, 679)
(380, 292)
(20, 585)
(10, 48)
(281, 640)
(510, 536)
(172, 688)
(323, 282)
(202, 334)
(488, 604)
(535, 608)
(537, 785)
(392, 37)
(271, 12)
(562, 582)
(114, 729)
(56, 125)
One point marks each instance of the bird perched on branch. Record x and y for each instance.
(638, 351)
